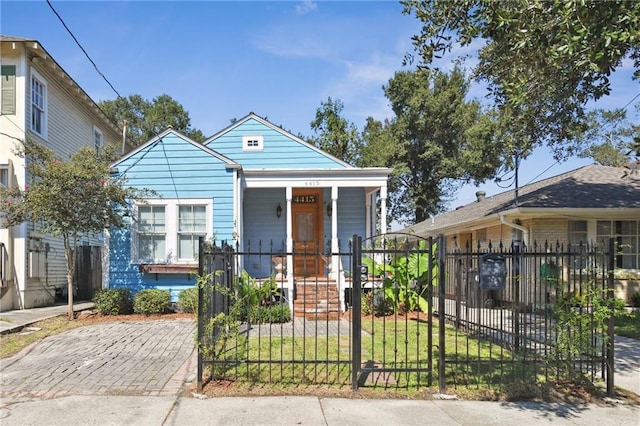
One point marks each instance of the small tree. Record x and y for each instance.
(68, 199)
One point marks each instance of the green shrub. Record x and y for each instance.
(188, 300)
(635, 299)
(366, 304)
(274, 314)
(151, 301)
(113, 301)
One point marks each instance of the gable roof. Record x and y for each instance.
(588, 187)
(36, 48)
(278, 129)
(170, 131)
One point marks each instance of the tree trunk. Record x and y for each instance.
(70, 258)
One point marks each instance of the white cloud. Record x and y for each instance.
(306, 6)
(360, 87)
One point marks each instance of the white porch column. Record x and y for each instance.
(368, 215)
(383, 209)
(336, 270)
(334, 220)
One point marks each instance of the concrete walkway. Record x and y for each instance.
(134, 373)
(304, 410)
(11, 321)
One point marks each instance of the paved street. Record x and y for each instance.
(118, 358)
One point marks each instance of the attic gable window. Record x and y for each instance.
(252, 143)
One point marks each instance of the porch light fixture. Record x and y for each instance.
(329, 209)
(279, 211)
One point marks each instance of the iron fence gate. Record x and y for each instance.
(404, 312)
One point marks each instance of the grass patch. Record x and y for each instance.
(627, 324)
(399, 346)
(14, 342)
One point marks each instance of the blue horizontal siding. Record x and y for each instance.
(265, 233)
(280, 151)
(173, 168)
(263, 230)
(351, 213)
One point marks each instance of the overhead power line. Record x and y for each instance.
(82, 48)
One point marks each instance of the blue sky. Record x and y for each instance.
(221, 60)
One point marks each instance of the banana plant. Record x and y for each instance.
(405, 278)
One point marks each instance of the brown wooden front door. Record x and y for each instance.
(307, 242)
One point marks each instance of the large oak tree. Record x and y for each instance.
(436, 141)
(145, 119)
(542, 60)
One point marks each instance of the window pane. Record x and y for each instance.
(192, 219)
(36, 119)
(626, 227)
(4, 177)
(145, 218)
(151, 237)
(151, 247)
(187, 246)
(577, 226)
(604, 228)
(200, 218)
(577, 232)
(192, 224)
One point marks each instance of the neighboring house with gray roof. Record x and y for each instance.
(591, 203)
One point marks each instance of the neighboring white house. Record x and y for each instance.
(39, 101)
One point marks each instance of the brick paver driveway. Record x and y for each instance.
(118, 358)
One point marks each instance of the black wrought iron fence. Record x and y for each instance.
(402, 312)
(269, 326)
(542, 312)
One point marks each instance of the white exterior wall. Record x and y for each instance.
(70, 122)
(13, 126)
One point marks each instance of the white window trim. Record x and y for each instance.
(97, 130)
(45, 113)
(171, 227)
(247, 138)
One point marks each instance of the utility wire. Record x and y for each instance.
(632, 99)
(558, 161)
(82, 48)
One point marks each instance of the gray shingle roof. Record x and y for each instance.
(589, 187)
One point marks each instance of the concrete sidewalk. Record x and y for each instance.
(11, 321)
(62, 397)
(305, 410)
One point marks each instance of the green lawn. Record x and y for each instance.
(401, 346)
(627, 324)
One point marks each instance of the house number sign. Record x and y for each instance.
(304, 199)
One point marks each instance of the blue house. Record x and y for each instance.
(252, 184)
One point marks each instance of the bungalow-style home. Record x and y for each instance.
(253, 185)
(41, 102)
(589, 204)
